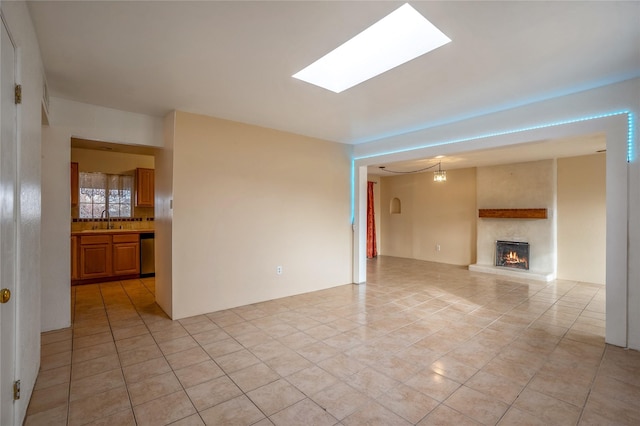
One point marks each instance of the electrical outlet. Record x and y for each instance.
(279, 270)
(437, 247)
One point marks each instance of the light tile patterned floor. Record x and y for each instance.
(421, 343)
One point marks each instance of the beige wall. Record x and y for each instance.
(582, 218)
(247, 199)
(433, 214)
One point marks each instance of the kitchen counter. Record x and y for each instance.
(112, 231)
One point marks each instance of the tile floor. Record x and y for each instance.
(421, 343)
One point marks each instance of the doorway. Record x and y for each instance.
(614, 125)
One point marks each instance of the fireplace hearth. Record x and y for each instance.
(512, 254)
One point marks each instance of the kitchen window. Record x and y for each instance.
(101, 193)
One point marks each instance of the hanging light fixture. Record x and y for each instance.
(438, 176)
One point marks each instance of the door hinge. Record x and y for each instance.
(16, 390)
(18, 94)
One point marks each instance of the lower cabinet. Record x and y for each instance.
(95, 256)
(126, 254)
(74, 258)
(99, 257)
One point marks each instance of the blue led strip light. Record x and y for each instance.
(630, 137)
(630, 145)
(509, 132)
(353, 191)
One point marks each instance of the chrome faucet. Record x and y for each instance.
(106, 213)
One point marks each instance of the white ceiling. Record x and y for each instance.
(521, 153)
(234, 60)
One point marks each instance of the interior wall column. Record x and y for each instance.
(360, 225)
(617, 283)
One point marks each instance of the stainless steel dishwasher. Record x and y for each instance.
(147, 255)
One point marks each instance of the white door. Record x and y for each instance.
(8, 159)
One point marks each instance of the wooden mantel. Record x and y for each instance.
(513, 213)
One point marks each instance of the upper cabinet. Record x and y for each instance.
(144, 188)
(75, 184)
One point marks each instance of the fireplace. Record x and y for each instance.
(512, 254)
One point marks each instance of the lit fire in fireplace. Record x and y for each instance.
(512, 254)
(512, 258)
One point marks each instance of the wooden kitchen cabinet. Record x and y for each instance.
(75, 184)
(74, 258)
(104, 256)
(145, 187)
(95, 256)
(126, 254)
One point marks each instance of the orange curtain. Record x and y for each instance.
(372, 250)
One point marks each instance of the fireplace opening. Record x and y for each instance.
(512, 254)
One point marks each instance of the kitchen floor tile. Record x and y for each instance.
(153, 387)
(371, 382)
(213, 392)
(52, 417)
(445, 416)
(48, 398)
(311, 380)
(193, 420)
(186, 358)
(139, 355)
(340, 400)
(407, 403)
(181, 344)
(164, 410)
(304, 412)
(373, 413)
(433, 385)
(91, 385)
(121, 418)
(153, 367)
(53, 377)
(288, 363)
(550, 409)
(275, 396)
(56, 360)
(125, 333)
(236, 361)
(95, 366)
(56, 336)
(198, 373)
(56, 348)
(476, 405)
(238, 411)
(135, 342)
(98, 406)
(254, 376)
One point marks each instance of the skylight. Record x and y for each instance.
(397, 38)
